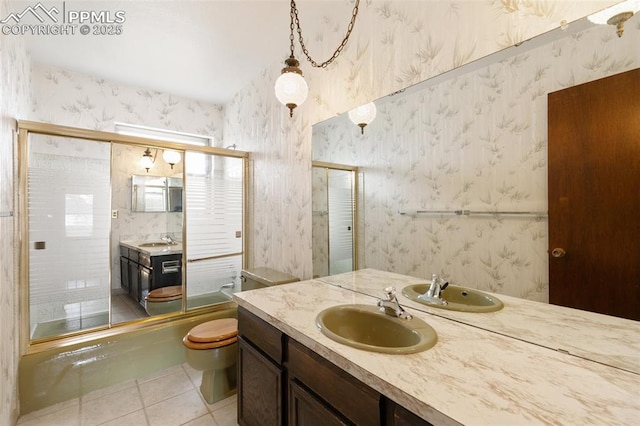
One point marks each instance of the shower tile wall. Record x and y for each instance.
(476, 142)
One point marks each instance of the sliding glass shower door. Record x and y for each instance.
(69, 226)
(214, 187)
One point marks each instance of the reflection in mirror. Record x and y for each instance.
(473, 139)
(334, 231)
(68, 233)
(146, 236)
(214, 202)
(156, 193)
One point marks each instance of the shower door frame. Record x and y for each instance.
(24, 129)
(355, 237)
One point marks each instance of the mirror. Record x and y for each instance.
(473, 139)
(156, 194)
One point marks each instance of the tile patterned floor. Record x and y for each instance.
(167, 398)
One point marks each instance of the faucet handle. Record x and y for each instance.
(390, 292)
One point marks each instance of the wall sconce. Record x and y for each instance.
(291, 88)
(616, 15)
(147, 159)
(363, 115)
(171, 157)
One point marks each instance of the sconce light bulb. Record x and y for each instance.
(147, 160)
(171, 157)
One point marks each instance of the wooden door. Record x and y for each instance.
(594, 196)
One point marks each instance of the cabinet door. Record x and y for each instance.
(260, 385)
(134, 280)
(305, 409)
(124, 274)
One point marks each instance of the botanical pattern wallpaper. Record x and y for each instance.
(395, 44)
(476, 141)
(14, 102)
(73, 99)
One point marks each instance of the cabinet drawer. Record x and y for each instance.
(356, 401)
(267, 338)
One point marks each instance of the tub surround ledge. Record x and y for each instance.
(472, 376)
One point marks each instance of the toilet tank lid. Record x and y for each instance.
(268, 276)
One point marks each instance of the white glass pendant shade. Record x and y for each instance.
(291, 89)
(603, 16)
(363, 115)
(171, 157)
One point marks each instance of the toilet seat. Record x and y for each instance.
(212, 334)
(165, 294)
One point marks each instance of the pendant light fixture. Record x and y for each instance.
(363, 115)
(616, 15)
(291, 88)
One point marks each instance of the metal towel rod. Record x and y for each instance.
(473, 212)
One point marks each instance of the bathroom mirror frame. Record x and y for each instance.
(27, 128)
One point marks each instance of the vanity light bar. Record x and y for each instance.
(472, 212)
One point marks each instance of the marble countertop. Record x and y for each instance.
(471, 376)
(602, 338)
(153, 251)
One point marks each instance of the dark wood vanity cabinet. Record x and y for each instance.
(140, 272)
(282, 382)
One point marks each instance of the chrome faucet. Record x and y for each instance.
(390, 305)
(433, 295)
(167, 239)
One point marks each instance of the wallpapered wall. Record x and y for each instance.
(14, 102)
(394, 45)
(477, 142)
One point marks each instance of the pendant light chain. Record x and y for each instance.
(294, 14)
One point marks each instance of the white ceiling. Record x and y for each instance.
(203, 50)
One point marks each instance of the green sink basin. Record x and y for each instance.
(365, 327)
(458, 298)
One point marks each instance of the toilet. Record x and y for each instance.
(212, 348)
(164, 300)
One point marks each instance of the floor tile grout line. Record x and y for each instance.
(144, 409)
